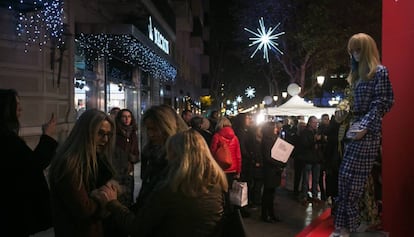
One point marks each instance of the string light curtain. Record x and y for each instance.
(38, 21)
(125, 47)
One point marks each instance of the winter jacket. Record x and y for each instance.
(153, 167)
(26, 206)
(227, 134)
(272, 169)
(125, 156)
(75, 212)
(310, 151)
(169, 213)
(246, 137)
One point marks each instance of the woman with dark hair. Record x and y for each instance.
(309, 142)
(272, 172)
(27, 209)
(126, 154)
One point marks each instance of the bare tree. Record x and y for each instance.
(315, 38)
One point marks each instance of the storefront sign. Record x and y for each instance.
(158, 38)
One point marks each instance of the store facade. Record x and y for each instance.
(120, 66)
(65, 56)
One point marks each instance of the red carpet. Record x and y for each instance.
(320, 227)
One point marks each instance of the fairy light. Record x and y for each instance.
(96, 46)
(39, 22)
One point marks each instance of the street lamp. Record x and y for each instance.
(284, 94)
(275, 97)
(320, 80)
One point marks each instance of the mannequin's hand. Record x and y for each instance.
(359, 135)
(340, 115)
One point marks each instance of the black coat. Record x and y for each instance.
(257, 159)
(272, 169)
(26, 209)
(172, 213)
(310, 151)
(246, 137)
(153, 167)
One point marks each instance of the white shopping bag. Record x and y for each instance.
(238, 194)
(281, 150)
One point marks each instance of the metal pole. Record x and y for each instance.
(105, 84)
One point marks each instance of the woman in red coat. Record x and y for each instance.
(224, 132)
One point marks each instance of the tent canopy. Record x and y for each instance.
(297, 106)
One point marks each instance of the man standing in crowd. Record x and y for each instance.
(186, 115)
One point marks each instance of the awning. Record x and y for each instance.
(127, 43)
(296, 106)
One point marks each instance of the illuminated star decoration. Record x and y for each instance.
(265, 39)
(239, 99)
(250, 92)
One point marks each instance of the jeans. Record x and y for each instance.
(316, 170)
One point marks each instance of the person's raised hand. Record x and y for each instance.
(49, 128)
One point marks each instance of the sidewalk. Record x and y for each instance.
(295, 217)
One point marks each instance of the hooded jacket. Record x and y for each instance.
(227, 134)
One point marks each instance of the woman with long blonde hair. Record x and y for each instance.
(193, 170)
(188, 202)
(372, 97)
(364, 57)
(82, 164)
(159, 123)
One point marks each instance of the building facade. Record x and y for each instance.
(65, 56)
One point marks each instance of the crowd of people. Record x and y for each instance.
(89, 189)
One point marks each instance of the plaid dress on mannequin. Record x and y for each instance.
(372, 99)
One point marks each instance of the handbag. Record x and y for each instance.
(223, 155)
(239, 193)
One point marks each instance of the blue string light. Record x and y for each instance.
(96, 46)
(39, 21)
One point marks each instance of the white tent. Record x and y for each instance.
(296, 106)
